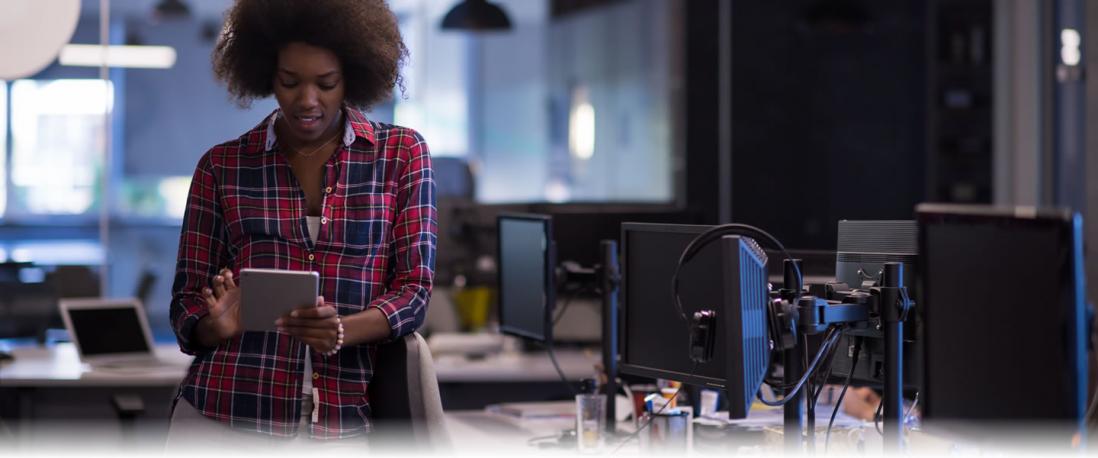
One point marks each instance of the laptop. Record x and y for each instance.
(111, 333)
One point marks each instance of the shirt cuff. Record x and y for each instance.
(185, 333)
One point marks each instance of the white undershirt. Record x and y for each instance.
(307, 388)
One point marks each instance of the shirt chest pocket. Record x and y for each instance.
(256, 216)
(364, 222)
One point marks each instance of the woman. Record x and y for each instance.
(315, 187)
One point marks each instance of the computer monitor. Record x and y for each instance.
(1005, 326)
(27, 310)
(727, 276)
(527, 284)
(862, 249)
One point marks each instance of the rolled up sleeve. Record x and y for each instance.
(202, 252)
(415, 237)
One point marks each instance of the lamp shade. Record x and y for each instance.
(40, 29)
(476, 15)
(171, 9)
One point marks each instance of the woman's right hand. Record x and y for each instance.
(223, 300)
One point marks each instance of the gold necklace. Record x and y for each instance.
(311, 153)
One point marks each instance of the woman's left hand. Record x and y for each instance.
(318, 327)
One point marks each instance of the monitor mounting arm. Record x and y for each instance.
(811, 315)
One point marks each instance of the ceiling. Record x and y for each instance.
(144, 8)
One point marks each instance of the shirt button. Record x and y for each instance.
(316, 375)
(324, 220)
(328, 190)
(311, 256)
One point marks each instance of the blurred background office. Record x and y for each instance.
(788, 115)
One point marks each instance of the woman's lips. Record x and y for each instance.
(307, 122)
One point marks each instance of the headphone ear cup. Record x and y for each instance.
(703, 336)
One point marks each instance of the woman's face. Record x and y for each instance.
(309, 88)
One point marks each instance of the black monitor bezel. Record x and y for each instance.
(549, 280)
(624, 366)
(1062, 219)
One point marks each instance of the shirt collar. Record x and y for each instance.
(354, 125)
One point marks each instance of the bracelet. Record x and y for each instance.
(339, 338)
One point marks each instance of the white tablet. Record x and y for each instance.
(267, 294)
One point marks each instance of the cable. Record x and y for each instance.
(628, 393)
(1093, 405)
(842, 394)
(553, 357)
(791, 394)
(1094, 399)
(809, 372)
(877, 416)
(568, 301)
(820, 382)
(653, 416)
(910, 409)
(817, 381)
(537, 439)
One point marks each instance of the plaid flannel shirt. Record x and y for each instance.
(375, 248)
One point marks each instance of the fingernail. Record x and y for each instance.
(206, 290)
(218, 278)
(293, 314)
(278, 322)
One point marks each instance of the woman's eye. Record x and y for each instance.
(327, 87)
(288, 83)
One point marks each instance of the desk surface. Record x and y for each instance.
(516, 367)
(60, 366)
(483, 431)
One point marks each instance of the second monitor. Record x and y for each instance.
(527, 285)
(727, 277)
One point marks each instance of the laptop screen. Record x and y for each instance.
(108, 330)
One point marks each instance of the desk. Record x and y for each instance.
(47, 389)
(42, 379)
(509, 377)
(516, 367)
(59, 366)
(473, 431)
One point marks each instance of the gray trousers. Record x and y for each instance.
(190, 431)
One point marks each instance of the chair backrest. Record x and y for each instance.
(453, 177)
(74, 281)
(404, 400)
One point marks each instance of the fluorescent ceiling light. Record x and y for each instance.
(118, 56)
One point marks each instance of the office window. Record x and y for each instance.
(57, 146)
(434, 101)
(153, 198)
(3, 149)
(579, 105)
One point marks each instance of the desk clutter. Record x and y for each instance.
(713, 339)
(699, 305)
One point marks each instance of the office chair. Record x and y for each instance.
(74, 281)
(404, 397)
(145, 284)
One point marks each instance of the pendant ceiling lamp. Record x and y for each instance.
(476, 15)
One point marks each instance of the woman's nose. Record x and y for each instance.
(308, 96)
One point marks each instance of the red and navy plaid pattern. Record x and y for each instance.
(375, 248)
